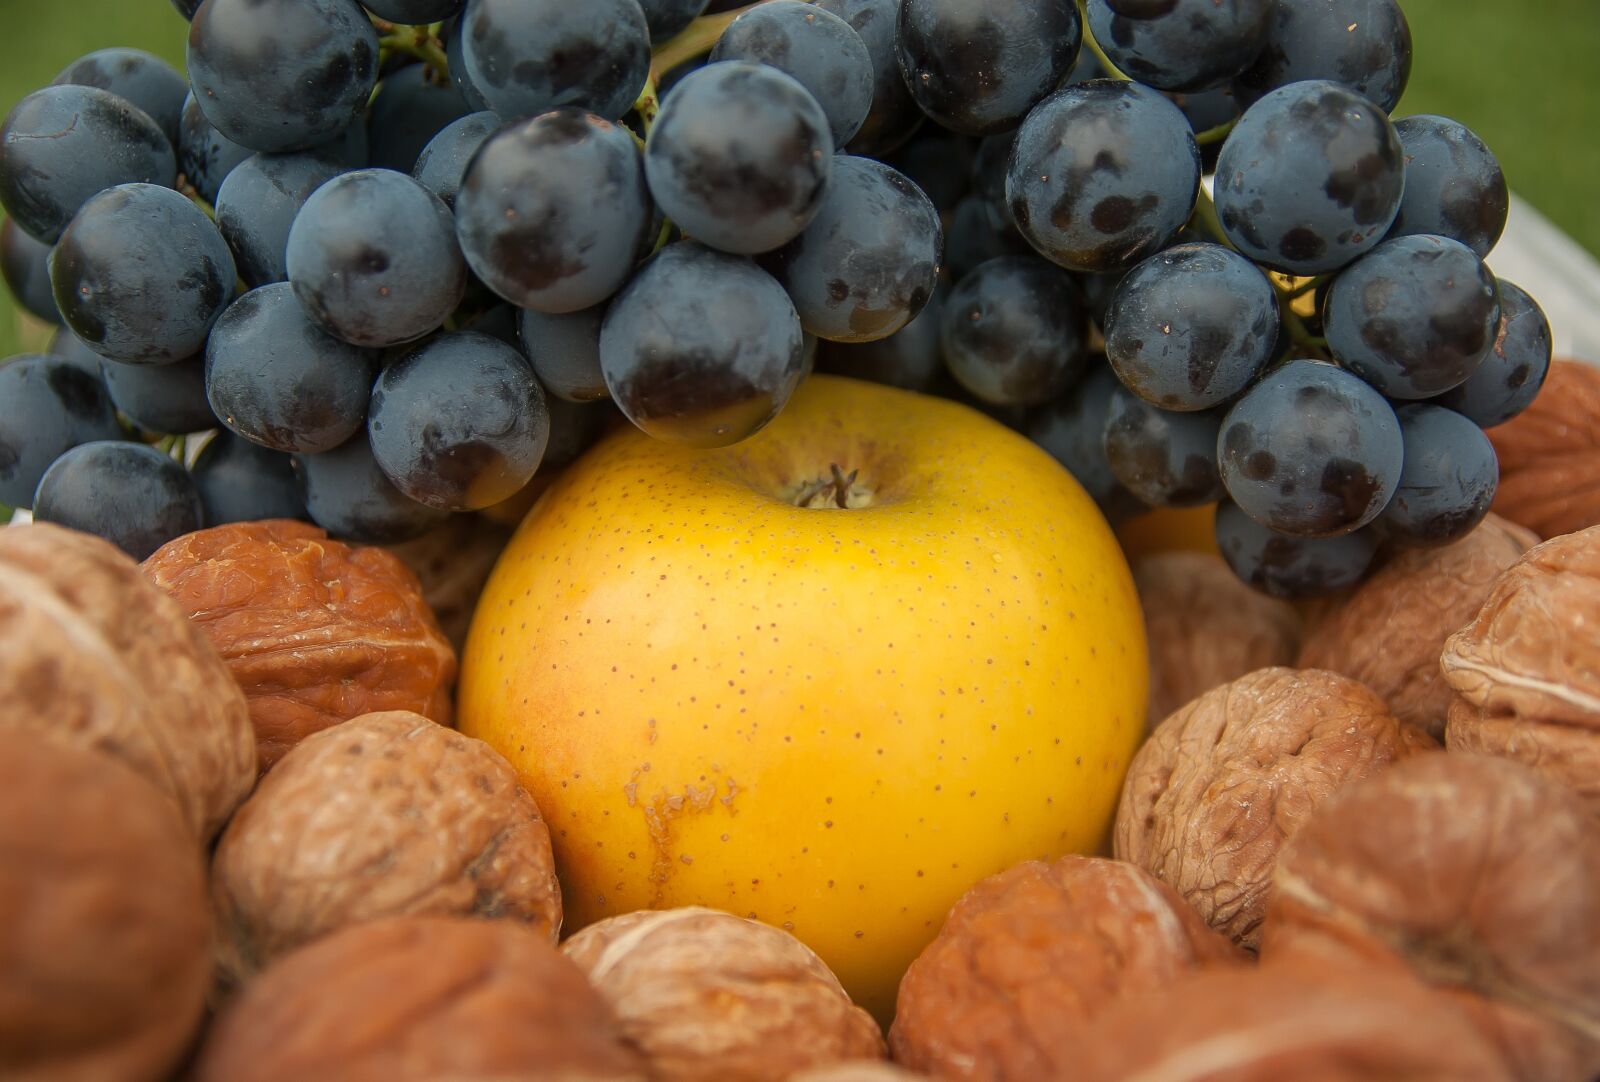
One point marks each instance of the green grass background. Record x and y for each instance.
(1524, 74)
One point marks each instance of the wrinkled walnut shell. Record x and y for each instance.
(453, 563)
(705, 994)
(93, 655)
(384, 815)
(1220, 786)
(1550, 455)
(1028, 958)
(419, 999)
(105, 941)
(1567, 754)
(315, 631)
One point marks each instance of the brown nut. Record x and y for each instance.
(453, 563)
(1028, 958)
(1480, 875)
(863, 1070)
(1550, 455)
(93, 655)
(705, 994)
(1220, 786)
(384, 815)
(1568, 754)
(315, 631)
(419, 999)
(1389, 633)
(104, 932)
(1205, 627)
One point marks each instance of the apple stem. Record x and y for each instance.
(838, 482)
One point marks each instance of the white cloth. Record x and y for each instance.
(1559, 274)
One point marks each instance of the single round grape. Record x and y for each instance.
(240, 481)
(70, 348)
(1415, 317)
(1311, 451)
(373, 258)
(909, 358)
(1102, 175)
(47, 406)
(205, 155)
(132, 495)
(817, 48)
(347, 494)
(565, 352)
(1072, 429)
(1165, 459)
(138, 77)
(459, 423)
(739, 157)
(701, 348)
(63, 145)
(166, 398)
(1509, 379)
(1448, 480)
(665, 18)
(257, 205)
(276, 378)
(1189, 328)
(868, 261)
(1014, 332)
(409, 109)
(442, 165)
(554, 211)
(528, 56)
(1291, 567)
(280, 75)
(141, 274)
(25, 265)
(974, 238)
(1363, 44)
(414, 12)
(894, 116)
(1309, 179)
(1182, 44)
(940, 163)
(1454, 186)
(979, 68)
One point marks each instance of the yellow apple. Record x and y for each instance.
(725, 689)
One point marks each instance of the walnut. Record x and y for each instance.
(1206, 627)
(1478, 873)
(453, 563)
(705, 994)
(861, 1070)
(383, 815)
(419, 999)
(315, 631)
(1028, 958)
(1550, 455)
(104, 945)
(1388, 634)
(1221, 785)
(92, 654)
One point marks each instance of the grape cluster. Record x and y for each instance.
(396, 257)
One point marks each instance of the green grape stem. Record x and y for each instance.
(1111, 70)
(1216, 134)
(1205, 219)
(422, 42)
(695, 40)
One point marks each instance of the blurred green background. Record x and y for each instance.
(1523, 74)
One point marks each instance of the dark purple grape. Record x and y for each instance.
(1164, 459)
(909, 358)
(978, 68)
(565, 352)
(1072, 429)
(1448, 480)
(63, 145)
(1014, 332)
(1103, 175)
(554, 211)
(257, 205)
(739, 157)
(442, 165)
(1311, 451)
(187, 8)
(1454, 186)
(989, 167)
(1309, 179)
(414, 12)
(894, 116)
(242, 482)
(498, 321)
(347, 494)
(458, 67)
(141, 274)
(205, 155)
(974, 239)
(138, 77)
(701, 348)
(1188, 329)
(70, 348)
(1363, 44)
(1291, 567)
(1509, 379)
(940, 163)
(1182, 44)
(132, 495)
(409, 109)
(665, 18)
(1205, 110)
(528, 56)
(574, 428)
(167, 398)
(48, 405)
(25, 265)
(1415, 317)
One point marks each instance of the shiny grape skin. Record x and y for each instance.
(1189, 328)
(165, 398)
(909, 358)
(63, 145)
(1454, 185)
(48, 405)
(1014, 332)
(413, 12)
(1448, 480)
(347, 494)
(1311, 450)
(132, 495)
(978, 68)
(1072, 429)
(205, 155)
(361, 278)
(138, 77)
(1103, 174)
(442, 165)
(1415, 317)
(974, 238)
(1183, 44)
(407, 111)
(70, 348)
(1309, 179)
(565, 352)
(1364, 45)
(553, 211)
(454, 57)
(1164, 458)
(664, 18)
(702, 348)
(894, 116)
(257, 205)
(242, 482)
(817, 48)
(739, 157)
(528, 56)
(25, 265)
(459, 423)
(1509, 379)
(1291, 567)
(868, 261)
(141, 274)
